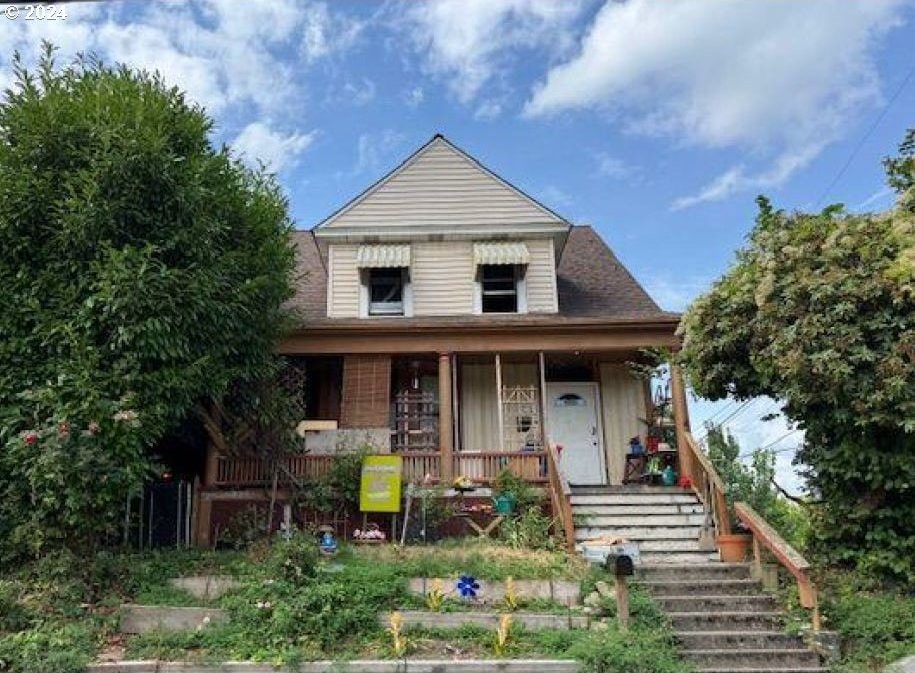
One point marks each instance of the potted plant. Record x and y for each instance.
(511, 493)
(733, 547)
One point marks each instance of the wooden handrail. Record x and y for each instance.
(709, 486)
(787, 556)
(561, 497)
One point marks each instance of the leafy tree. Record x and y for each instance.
(143, 272)
(819, 310)
(754, 484)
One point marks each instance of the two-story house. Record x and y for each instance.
(447, 316)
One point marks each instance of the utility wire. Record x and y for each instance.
(863, 139)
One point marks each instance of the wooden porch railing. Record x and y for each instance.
(765, 536)
(710, 488)
(561, 497)
(481, 467)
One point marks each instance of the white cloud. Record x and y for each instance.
(884, 195)
(257, 142)
(374, 149)
(326, 33)
(360, 94)
(736, 179)
(778, 78)
(488, 110)
(414, 97)
(612, 167)
(469, 42)
(227, 57)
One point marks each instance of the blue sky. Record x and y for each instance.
(655, 121)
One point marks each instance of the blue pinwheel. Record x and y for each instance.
(467, 586)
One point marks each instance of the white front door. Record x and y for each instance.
(573, 422)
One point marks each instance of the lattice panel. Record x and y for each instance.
(415, 421)
(293, 379)
(522, 429)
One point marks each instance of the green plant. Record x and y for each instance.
(435, 596)
(521, 492)
(294, 560)
(49, 647)
(245, 528)
(150, 279)
(529, 529)
(819, 311)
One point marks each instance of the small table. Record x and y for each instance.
(485, 530)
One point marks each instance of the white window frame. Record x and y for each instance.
(520, 291)
(365, 295)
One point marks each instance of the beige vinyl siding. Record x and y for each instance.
(541, 277)
(479, 403)
(442, 187)
(441, 277)
(622, 405)
(343, 287)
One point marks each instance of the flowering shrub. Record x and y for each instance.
(70, 463)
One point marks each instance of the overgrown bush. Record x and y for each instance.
(151, 278)
(876, 627)
(293, 560)
(528, 529)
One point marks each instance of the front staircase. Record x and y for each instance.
(723, 620)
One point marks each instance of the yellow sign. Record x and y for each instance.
(379, 490)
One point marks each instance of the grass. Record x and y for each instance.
(57, 615)
(481, 558)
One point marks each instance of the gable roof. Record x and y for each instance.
(593, 286)
(441, 187)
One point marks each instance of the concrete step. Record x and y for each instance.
(637, 510)
(775, 659)
(710, 571)
(704, 587)
(725, 621)
(630, 489)
(693, 603)
(634, 533)
(791, 669)
(633, 499)
(676, 558)
(642, 520)
(737, 640)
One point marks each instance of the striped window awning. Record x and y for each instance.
(500, 253)
(382, 256)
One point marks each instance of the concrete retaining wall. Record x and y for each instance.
(207, 587)
(561, 591)
(489, 620)
(146, 618)
(357, 666)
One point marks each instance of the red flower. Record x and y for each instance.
(63, 429)
(31, 438)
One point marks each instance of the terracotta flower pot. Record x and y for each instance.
(733, 548)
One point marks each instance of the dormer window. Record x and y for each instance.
(386, 291)
(499, 288)
(500, 285)
(385, 276)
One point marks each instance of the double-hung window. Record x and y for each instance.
(386, 290)
(499, 288)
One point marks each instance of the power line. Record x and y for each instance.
(863, 139)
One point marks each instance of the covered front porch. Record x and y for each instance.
(471, 414)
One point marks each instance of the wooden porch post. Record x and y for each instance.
(681, 419)
(445, 416)
(544, 430)
(499, 402)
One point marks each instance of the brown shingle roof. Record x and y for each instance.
(593, 285)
